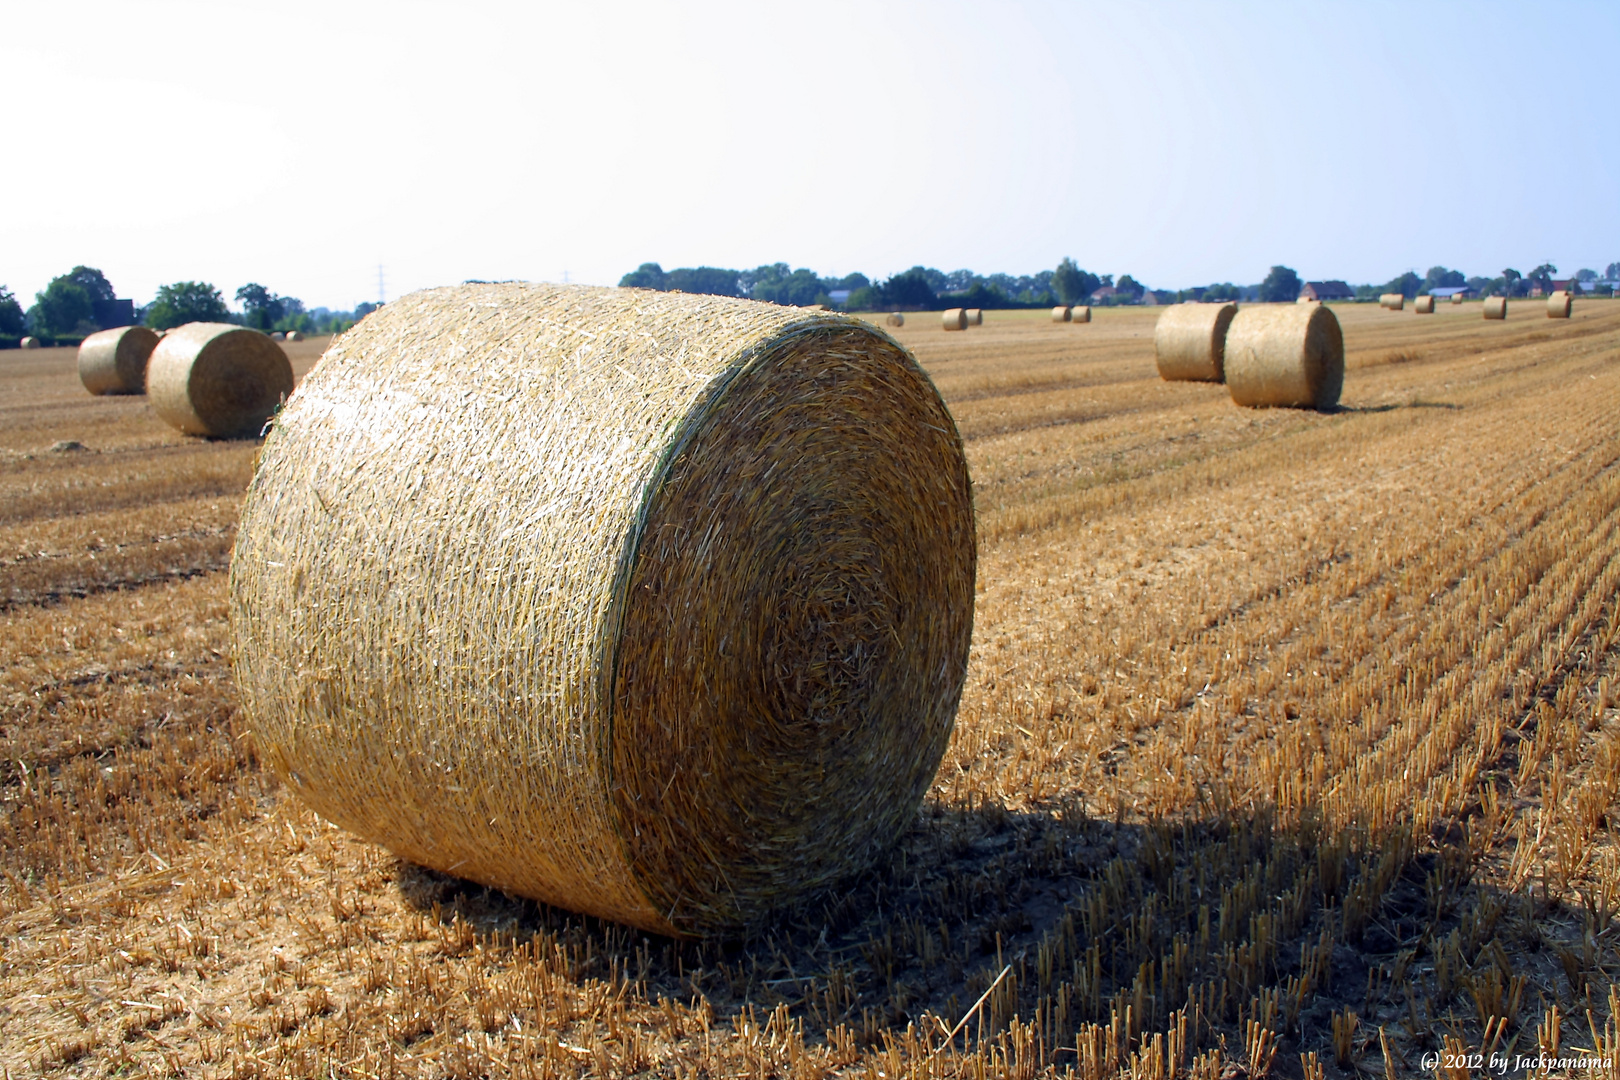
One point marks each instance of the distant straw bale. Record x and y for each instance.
(1285, 354)
(1496, 307)
(1189, 341)
(954, 319)
(295, 335)
(669, 643)
(1062, 313)
(896, 319)
(28, 343)
(1394, 301)
(1559, 303)
(1080, 313)
(217, 379)
(277, 335)
(1423, 305)
(114, 361)
(1456, 298)
(975, 316)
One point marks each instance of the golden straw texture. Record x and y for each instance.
(1496, 307)
(896, 319)
(975, 316)
(1061, 314)
(1080, 313)
(954, 319)
(114, 361)
(1559, 303)
(652, 606)
(1285, 354)
(1189, 341)
(217, 379)
(1423, 305)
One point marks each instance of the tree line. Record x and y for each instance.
(66, 310)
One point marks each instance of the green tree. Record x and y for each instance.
(93, 282)
(1071, 283)
(1586, 275)
(12, 320)
(1281, 286)
(1512, 283)
(1542, 276)
(262, 308)
(711, 280)
(186, 302)
(1407, 285)
(1129, 288)
(645, 276)
(63, 308)
(908, 290)
(1439, 277)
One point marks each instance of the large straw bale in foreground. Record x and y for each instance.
(1189, 341)
(1285, 354)
(217, 379)
(652, 606)
(1423, 305)
(1496, 307)
(1559, 303)
(954, 319)
(114, 361)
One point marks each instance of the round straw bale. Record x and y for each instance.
(1397, 301)
(1189, 341)
(1456, 298)
(28, 343)
(650, 606)
(1496, 307)
(896, 319)
(1062, 314)
(1559, 303)
(217, 379)
(295, 335)
(975, 316)
(1423, 305)
(114, 361)
(955, 319)
(277, 335)
(1284, 354)
(1080, 313)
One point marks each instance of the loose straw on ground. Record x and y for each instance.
(114, 361)
(217, 379)
(1285, 354)
(1189, 341)
(648, 605)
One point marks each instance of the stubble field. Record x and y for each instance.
(1290, 746)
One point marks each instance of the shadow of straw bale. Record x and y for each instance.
(1089, 922)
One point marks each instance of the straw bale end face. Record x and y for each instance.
(650, 606)
(114, 361)
(218, 380)
(954, 318)
(1285, 354)
(1189, 341)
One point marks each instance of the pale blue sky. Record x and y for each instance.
(300, 144)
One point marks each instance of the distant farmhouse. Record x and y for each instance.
(1448, 291)
(1327, 290)
(1102, 295)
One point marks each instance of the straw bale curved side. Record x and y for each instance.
(114, 361)
(28, 343)
(975, 316)
(1423, 305)
(217, 379)
(1496, 307)
(1284, 354)
(1080, 313)
(1062, 314)
(896, 319)
(1189, 341)
(1559, 303)
(651, 606)
(954, 319)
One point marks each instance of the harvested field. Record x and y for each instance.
(1290, 747)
